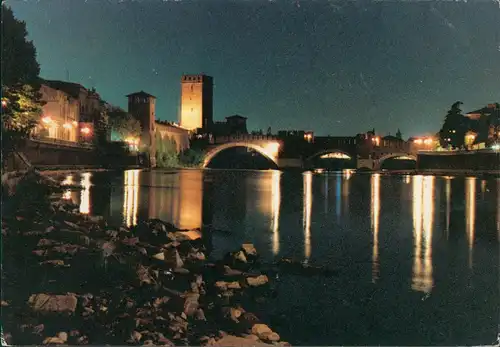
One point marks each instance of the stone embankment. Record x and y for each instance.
(70, 279)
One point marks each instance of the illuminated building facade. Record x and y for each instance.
(196, 102)
(70, 111)
(60, 115)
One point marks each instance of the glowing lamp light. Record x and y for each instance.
(418, 141)
(67, 126)
(85, 130)
(496, 147)
(428, 141)
(4, 103)
(47, 120)
(75, 123)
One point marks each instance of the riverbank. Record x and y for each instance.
(73, 279)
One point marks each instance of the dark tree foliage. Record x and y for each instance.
(21, 100)
(455, 126)
(124, 123)
(19, 65)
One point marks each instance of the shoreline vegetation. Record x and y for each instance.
(73, 279)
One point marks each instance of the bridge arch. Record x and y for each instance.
(406, 156)
(342, 154)
(269, 150)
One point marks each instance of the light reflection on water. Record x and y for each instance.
(375, 210)
(306, 212)
(423, 215)
(333, 218)
(470, 213)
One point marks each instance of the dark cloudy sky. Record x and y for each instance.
(337, 67)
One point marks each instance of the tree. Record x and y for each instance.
(192, 157)
(399, 135)
(454, 128)
(19, 65)
(124, 124)
(21, 100)
(166, 152)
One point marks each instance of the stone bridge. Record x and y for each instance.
(268, 146)
(275, 150)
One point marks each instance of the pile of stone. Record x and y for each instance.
(70, 279)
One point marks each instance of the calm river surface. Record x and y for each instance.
(418, 256)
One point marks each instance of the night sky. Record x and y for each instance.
(336, 67)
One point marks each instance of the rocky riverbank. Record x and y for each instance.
(72, 279)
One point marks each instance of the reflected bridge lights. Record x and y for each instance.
(423, 217)
(470, 214)
(275, 203)
(306, 212)
(375, 216)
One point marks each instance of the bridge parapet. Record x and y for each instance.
(241, 138)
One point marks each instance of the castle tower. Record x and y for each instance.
(141, 106)
(196, 102)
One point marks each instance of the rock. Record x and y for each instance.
(95, 219)
(248, 320)
(222, 285)
(231, 272)
(70, 224)
(143, 275)
(249, 249)
(5, 303)
(252, 337)
(272, 336)
(53, 341)
(191, 304)
(185, 235)
(55, 263)
(261, 330)
(130, 241)
(257, 281)
(282, 344)
(240, 256)
(200, 315)
(136, 336)
(164, 341)
(232, 313)
(45, 242)
(67, 249)
(63, 336)
(171, 257)
(197, 256)
(53, 303)
(40, 252)
(181, 271)
(235, 341)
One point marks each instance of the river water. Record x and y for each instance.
(418, 256)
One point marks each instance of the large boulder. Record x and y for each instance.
(53, 303)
